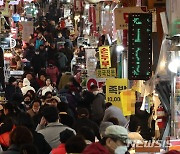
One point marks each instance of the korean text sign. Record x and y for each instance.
(104, 56)
(106, 73)
(140, 46)
(113, 90)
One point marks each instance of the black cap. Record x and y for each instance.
(12, 79)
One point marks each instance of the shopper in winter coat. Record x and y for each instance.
(142, 122)
(26, 86)
(53, 72)
(43, 147)
(18, 137)
(83, 120)
(49, 126)
(64, 136)
(37, 62)
(61, 60)
(98, 105)
(113, 111)
(11, 89)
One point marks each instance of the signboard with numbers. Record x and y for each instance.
(106, 73)
(113, 90)
(140, 46)
(122, 15)
(104, 57)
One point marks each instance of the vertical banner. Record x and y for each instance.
(128, 100)
(104, 56)
(27, 30)
(113, 90)
(91, 61)
(140, 46)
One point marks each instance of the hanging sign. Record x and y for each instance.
(128, 100)
(5, 42)
(122, 15)
(106, 73)
(27, 29)
(113, 90)
(14, 32)
(99, 82)
(104, 57)
(140, 46)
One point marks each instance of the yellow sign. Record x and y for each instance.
(104, 57)
(113, 90)
(128, 100)
(106, 73)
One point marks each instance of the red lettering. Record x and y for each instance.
(126, 17)
(104, 54)
(105, 63)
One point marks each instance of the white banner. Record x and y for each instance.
(27, 30)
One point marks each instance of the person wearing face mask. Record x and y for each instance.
(27, 101)
(114, 141)
(98, 105)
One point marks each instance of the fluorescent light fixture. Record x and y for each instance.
(119, 48)
(174, 65)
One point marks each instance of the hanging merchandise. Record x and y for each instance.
(91, 62)
(161, 117)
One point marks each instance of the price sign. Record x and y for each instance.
(113, 90)
(140, 46)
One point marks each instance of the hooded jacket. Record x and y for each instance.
(26, 86)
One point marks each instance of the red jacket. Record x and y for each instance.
(95, 148)
(53, 72)
(59, 150)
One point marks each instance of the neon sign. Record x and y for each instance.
(140, 46)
